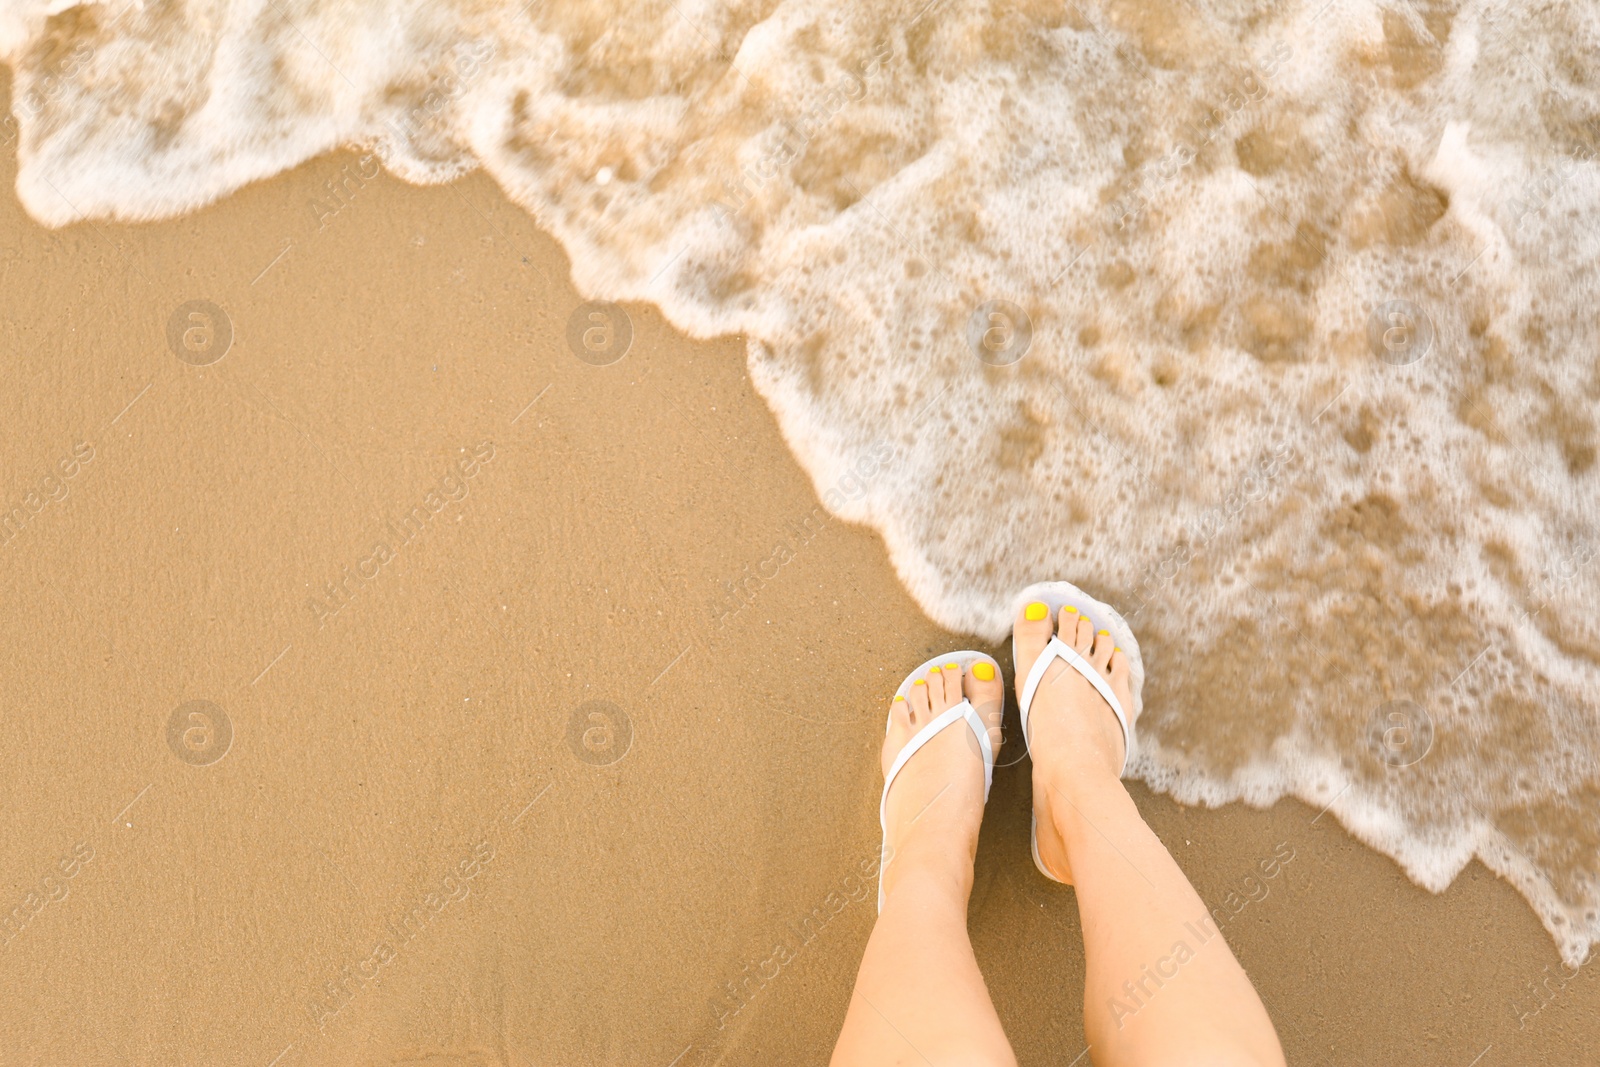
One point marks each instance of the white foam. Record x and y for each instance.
(1197, 208)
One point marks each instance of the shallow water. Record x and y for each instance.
(1271, 324)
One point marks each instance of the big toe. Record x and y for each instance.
(984, 689)
(1032, 629)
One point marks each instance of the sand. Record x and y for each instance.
(395, 834)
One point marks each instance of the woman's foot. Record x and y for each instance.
(1075, 738)
(936, 804)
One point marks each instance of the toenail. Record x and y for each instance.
(952, 666)
(898, 698)
(919, 681)
(1070, 608)
(1035, 612)
(983, 672)
(1105, 633)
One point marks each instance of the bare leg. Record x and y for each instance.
(1162, 985)
(919, 998)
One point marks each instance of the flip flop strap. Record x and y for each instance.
(1059, 649)
(963, 710)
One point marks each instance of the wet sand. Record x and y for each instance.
(401, 830)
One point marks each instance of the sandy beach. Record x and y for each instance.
(503, 757)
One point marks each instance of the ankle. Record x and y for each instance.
(1079, 796)
(1070, 770)
(931, 874)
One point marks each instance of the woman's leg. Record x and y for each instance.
(919, 998)
(1162, 985)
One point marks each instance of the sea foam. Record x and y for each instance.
(1309, 379)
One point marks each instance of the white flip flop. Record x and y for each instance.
(1055, 595)
(963, 711)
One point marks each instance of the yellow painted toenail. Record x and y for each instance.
(919, 681)
(1070, 608)
(1035, 612)
(983, 672)
(898, 697)
(952, 666)
(1105, 633)
(1116, 650)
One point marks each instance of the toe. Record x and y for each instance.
(1076, 630)
(986, 691)
(1100, 655)
(1120, 675)
(899, 714)
(918, 699)
(949, 686)
(1033, 627)
(899, 731)
(935, 686)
